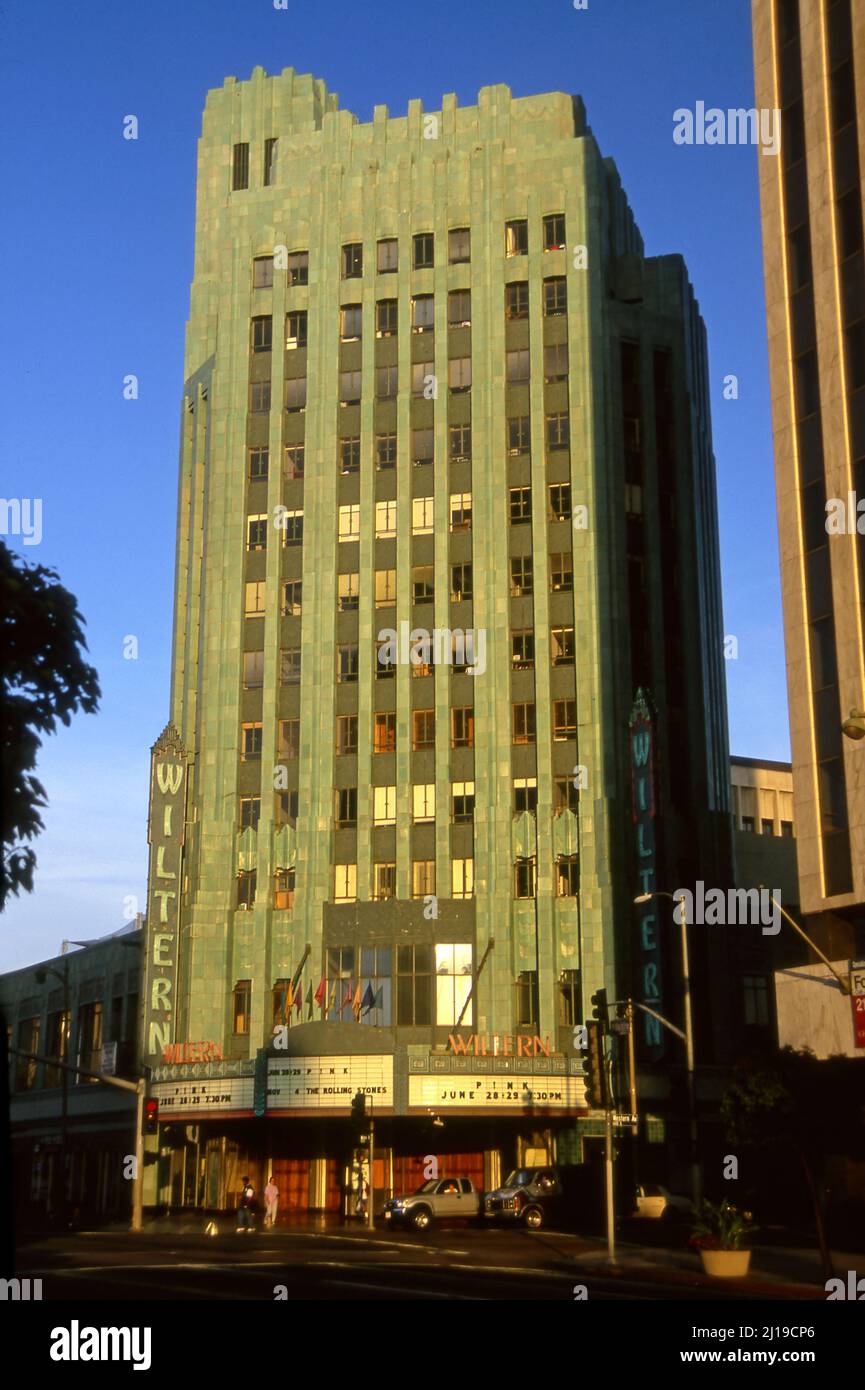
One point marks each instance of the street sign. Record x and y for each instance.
(857, 1001)
(620, 1025)
(626, 1119)
(108, 1065)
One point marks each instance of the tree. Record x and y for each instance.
(43, 679)
(795, 1102)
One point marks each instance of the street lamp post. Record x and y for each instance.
(696, 1184)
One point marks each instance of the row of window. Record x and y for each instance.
(423, 381)
(554, 303)
(564, 728)
(423, 248)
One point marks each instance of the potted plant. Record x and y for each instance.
(720, 1231)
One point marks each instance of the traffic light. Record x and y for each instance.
(151, 1116)
(358, 1110)
(600, 1009)
(596, 1071)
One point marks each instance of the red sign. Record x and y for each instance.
(191, 1052)
(857, 999)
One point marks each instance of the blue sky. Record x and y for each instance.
(100, 230)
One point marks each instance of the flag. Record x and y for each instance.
(378, 998)
(355, 1007)
(320, 995)
(309, 1002)
(331, 1003)
(298, 1001)
(368, 1001)
(347, 997)
(289, 1000)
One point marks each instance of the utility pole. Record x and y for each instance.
(369, 1216)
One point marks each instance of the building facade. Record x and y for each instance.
(447, 674)
(82, 1008)
(810, 64)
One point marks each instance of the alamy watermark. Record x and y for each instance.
(739, 126)
(442, 646)
(21, 516)
(731, 907)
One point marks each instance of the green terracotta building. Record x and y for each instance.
(447, 504)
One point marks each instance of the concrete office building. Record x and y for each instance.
(433, 385)
(810, 63)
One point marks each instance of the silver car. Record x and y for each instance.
(438, 1199)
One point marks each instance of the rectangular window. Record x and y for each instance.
(454, 985)
(28, 1041)
(463, 726)
(386, 382)
(352, 261)
(291, 523)
(349, 455)
(269, 172)
(344, 883)
(256, 590)
(292, 598)
(384, 806)
(295, 329)
(524, 880)
(460, 309)
(523, 650)
(521, 505)
(526, 992)
(286, 804)
(259, 397)
(347, 663)
(414, 973)
(423, 583)
(564, 720)
(283, 889)
(385, 451)
(298, 268)
(262, 273)
(422, 379)
(261, 335)
(251, 735)
(460, 511)
(385, 518)
(256, 532)
(519, 434)
(288, 738)
(423, 250)
(348, 592)
(421, 516)
(524, 723)
(386, 318)
(460, 373)
(461, 582)
(423, 878)
(349, 522)
(345, 811)
(555, 296)
(259, 461)
(422, 446)
(385, 661)
(525, 794)
(423, 729)
(350, 323)
(554, 232)
(422, 313)
(240, 166)
(462, 878)
(517, 365)
(387, 255)
(253, 670)
(384, 731)
(517, 300)
(463, 801)
(295, 394)
(562, 572)
(565, 796)
(555, 362)
(247, 881)
(295, 455)
(460, 442)
(383, 881)
(289, 666)
(385, 588)
(349, 387)
(346, 734)
(560, 501)
(558, 430)
(423, 802)
(459, 245)
(242, 1005)
(563, 646)
(522, 578)
(517, 238)
(567, 876)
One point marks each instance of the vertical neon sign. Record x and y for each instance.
(643, 803)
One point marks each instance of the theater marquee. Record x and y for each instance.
(497, 1092)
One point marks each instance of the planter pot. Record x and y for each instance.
(726, 1264)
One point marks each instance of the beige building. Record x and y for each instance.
(763, 826)
(809, 63)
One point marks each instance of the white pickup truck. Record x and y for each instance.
(439, 1199)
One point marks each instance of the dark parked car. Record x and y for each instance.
(528, 1197)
